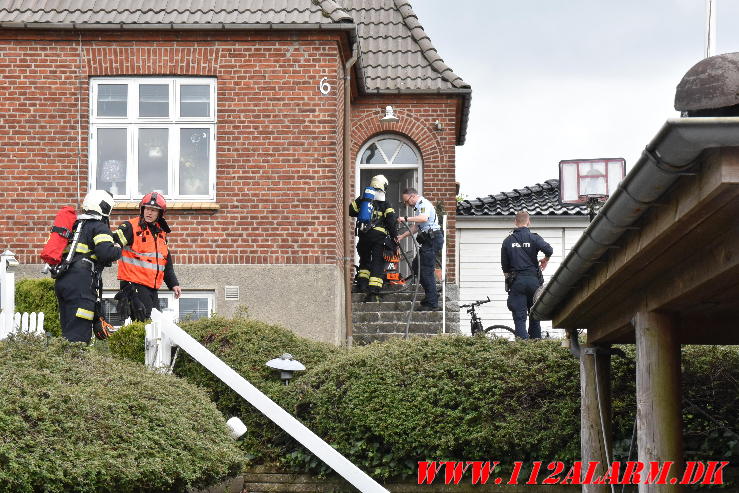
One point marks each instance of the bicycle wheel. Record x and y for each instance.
(491, 330)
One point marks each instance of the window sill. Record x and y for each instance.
(125, 207)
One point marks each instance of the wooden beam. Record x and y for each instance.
(595, 412)
(658, 396)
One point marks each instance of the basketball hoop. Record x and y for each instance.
(589, 181)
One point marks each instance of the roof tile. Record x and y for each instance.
(541, 199)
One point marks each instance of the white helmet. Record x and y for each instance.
(379, 182)
(99, 202)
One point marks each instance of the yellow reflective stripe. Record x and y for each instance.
(381, 230)
(375, 281)
(121, 237)
(354, 206)
(363, 274)
(101, 238)
(82, 248)
(389, 210)
(86, 314)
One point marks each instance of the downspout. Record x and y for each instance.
(348, 244)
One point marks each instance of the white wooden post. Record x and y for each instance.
(8, 263)
(443, 277)
(165, 334)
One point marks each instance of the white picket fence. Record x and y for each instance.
(10, 321)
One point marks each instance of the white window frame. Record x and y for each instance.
(418, 167)
(173, 123)
(173, 305)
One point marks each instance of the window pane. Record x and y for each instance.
(111, 160)
(194, 100)
(110, 312)
(194, 158)
(193, 308)
(112, 99)
(154, 100)
(405, 156)
(372, 156)
(153, 159)
(163, 304)
(389, 146)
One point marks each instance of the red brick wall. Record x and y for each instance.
(277, 157)
(417, 117)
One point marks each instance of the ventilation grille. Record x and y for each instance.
(232, 293)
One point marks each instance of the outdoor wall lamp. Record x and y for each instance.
(390, 116)
(287, 365)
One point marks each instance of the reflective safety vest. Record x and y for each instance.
(143, 262)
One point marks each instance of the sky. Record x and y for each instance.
(566, 79)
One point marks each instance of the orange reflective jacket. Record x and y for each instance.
(143, 261)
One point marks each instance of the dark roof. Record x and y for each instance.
(541, 199)
(397, 56)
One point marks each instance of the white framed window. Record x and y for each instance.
(192, 305)
(151, 134)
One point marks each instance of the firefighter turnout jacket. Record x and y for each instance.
(76, 289)
(146, 259)
(371, 245)
(384, 218)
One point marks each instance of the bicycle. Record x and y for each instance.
(476, 323)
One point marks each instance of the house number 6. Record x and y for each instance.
(324, 86)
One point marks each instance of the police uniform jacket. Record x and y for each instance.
(384, 217)
(519, 250)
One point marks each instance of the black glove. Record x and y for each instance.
(138, 309)
(123, 303)
(102, 329)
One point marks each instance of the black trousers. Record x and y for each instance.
(520, 300)
(148, 296)
(75, 292)
(371, 248)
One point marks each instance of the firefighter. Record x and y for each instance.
(376, 221)
(146, 261)
(78, 288)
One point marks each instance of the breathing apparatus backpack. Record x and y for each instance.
(366, 210)
(65, 231)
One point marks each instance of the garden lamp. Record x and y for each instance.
(287, 365)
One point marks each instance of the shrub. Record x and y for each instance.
(128, 342)
(387, 406)
(37, 295)
(74, 420)
(246, 345)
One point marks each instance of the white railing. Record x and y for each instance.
(10, 321)
(163, 334)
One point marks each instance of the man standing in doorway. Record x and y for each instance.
(523, 273)
(431, 239)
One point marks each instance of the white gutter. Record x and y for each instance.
(671, 153)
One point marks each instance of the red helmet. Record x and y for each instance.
(153, 199)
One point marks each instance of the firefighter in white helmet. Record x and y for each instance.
(78, 289)
(376, 224)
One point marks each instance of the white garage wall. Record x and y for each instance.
(478, 263)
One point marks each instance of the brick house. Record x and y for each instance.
(238, 112)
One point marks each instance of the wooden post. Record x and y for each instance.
(658, 396)
(594, 384)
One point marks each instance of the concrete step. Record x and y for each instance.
(396, 328)
(397, 316)
(395, 306)
(403, 296)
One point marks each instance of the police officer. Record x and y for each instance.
(431, 239)
(518, 257)
(146, 261)
(380, 225)
(77, 289)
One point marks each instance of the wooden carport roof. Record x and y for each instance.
(667, 241)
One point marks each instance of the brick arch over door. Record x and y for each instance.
(368, 126)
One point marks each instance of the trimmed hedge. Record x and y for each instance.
(72, 419)
(128, 342)
(387, 406)
(246, 345)
(37, 295)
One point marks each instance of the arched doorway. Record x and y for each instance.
(400, 161)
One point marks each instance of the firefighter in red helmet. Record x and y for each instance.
(146, 261)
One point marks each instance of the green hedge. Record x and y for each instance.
(246, 345)
(128, 342)
(37, 295)
(72, 419)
